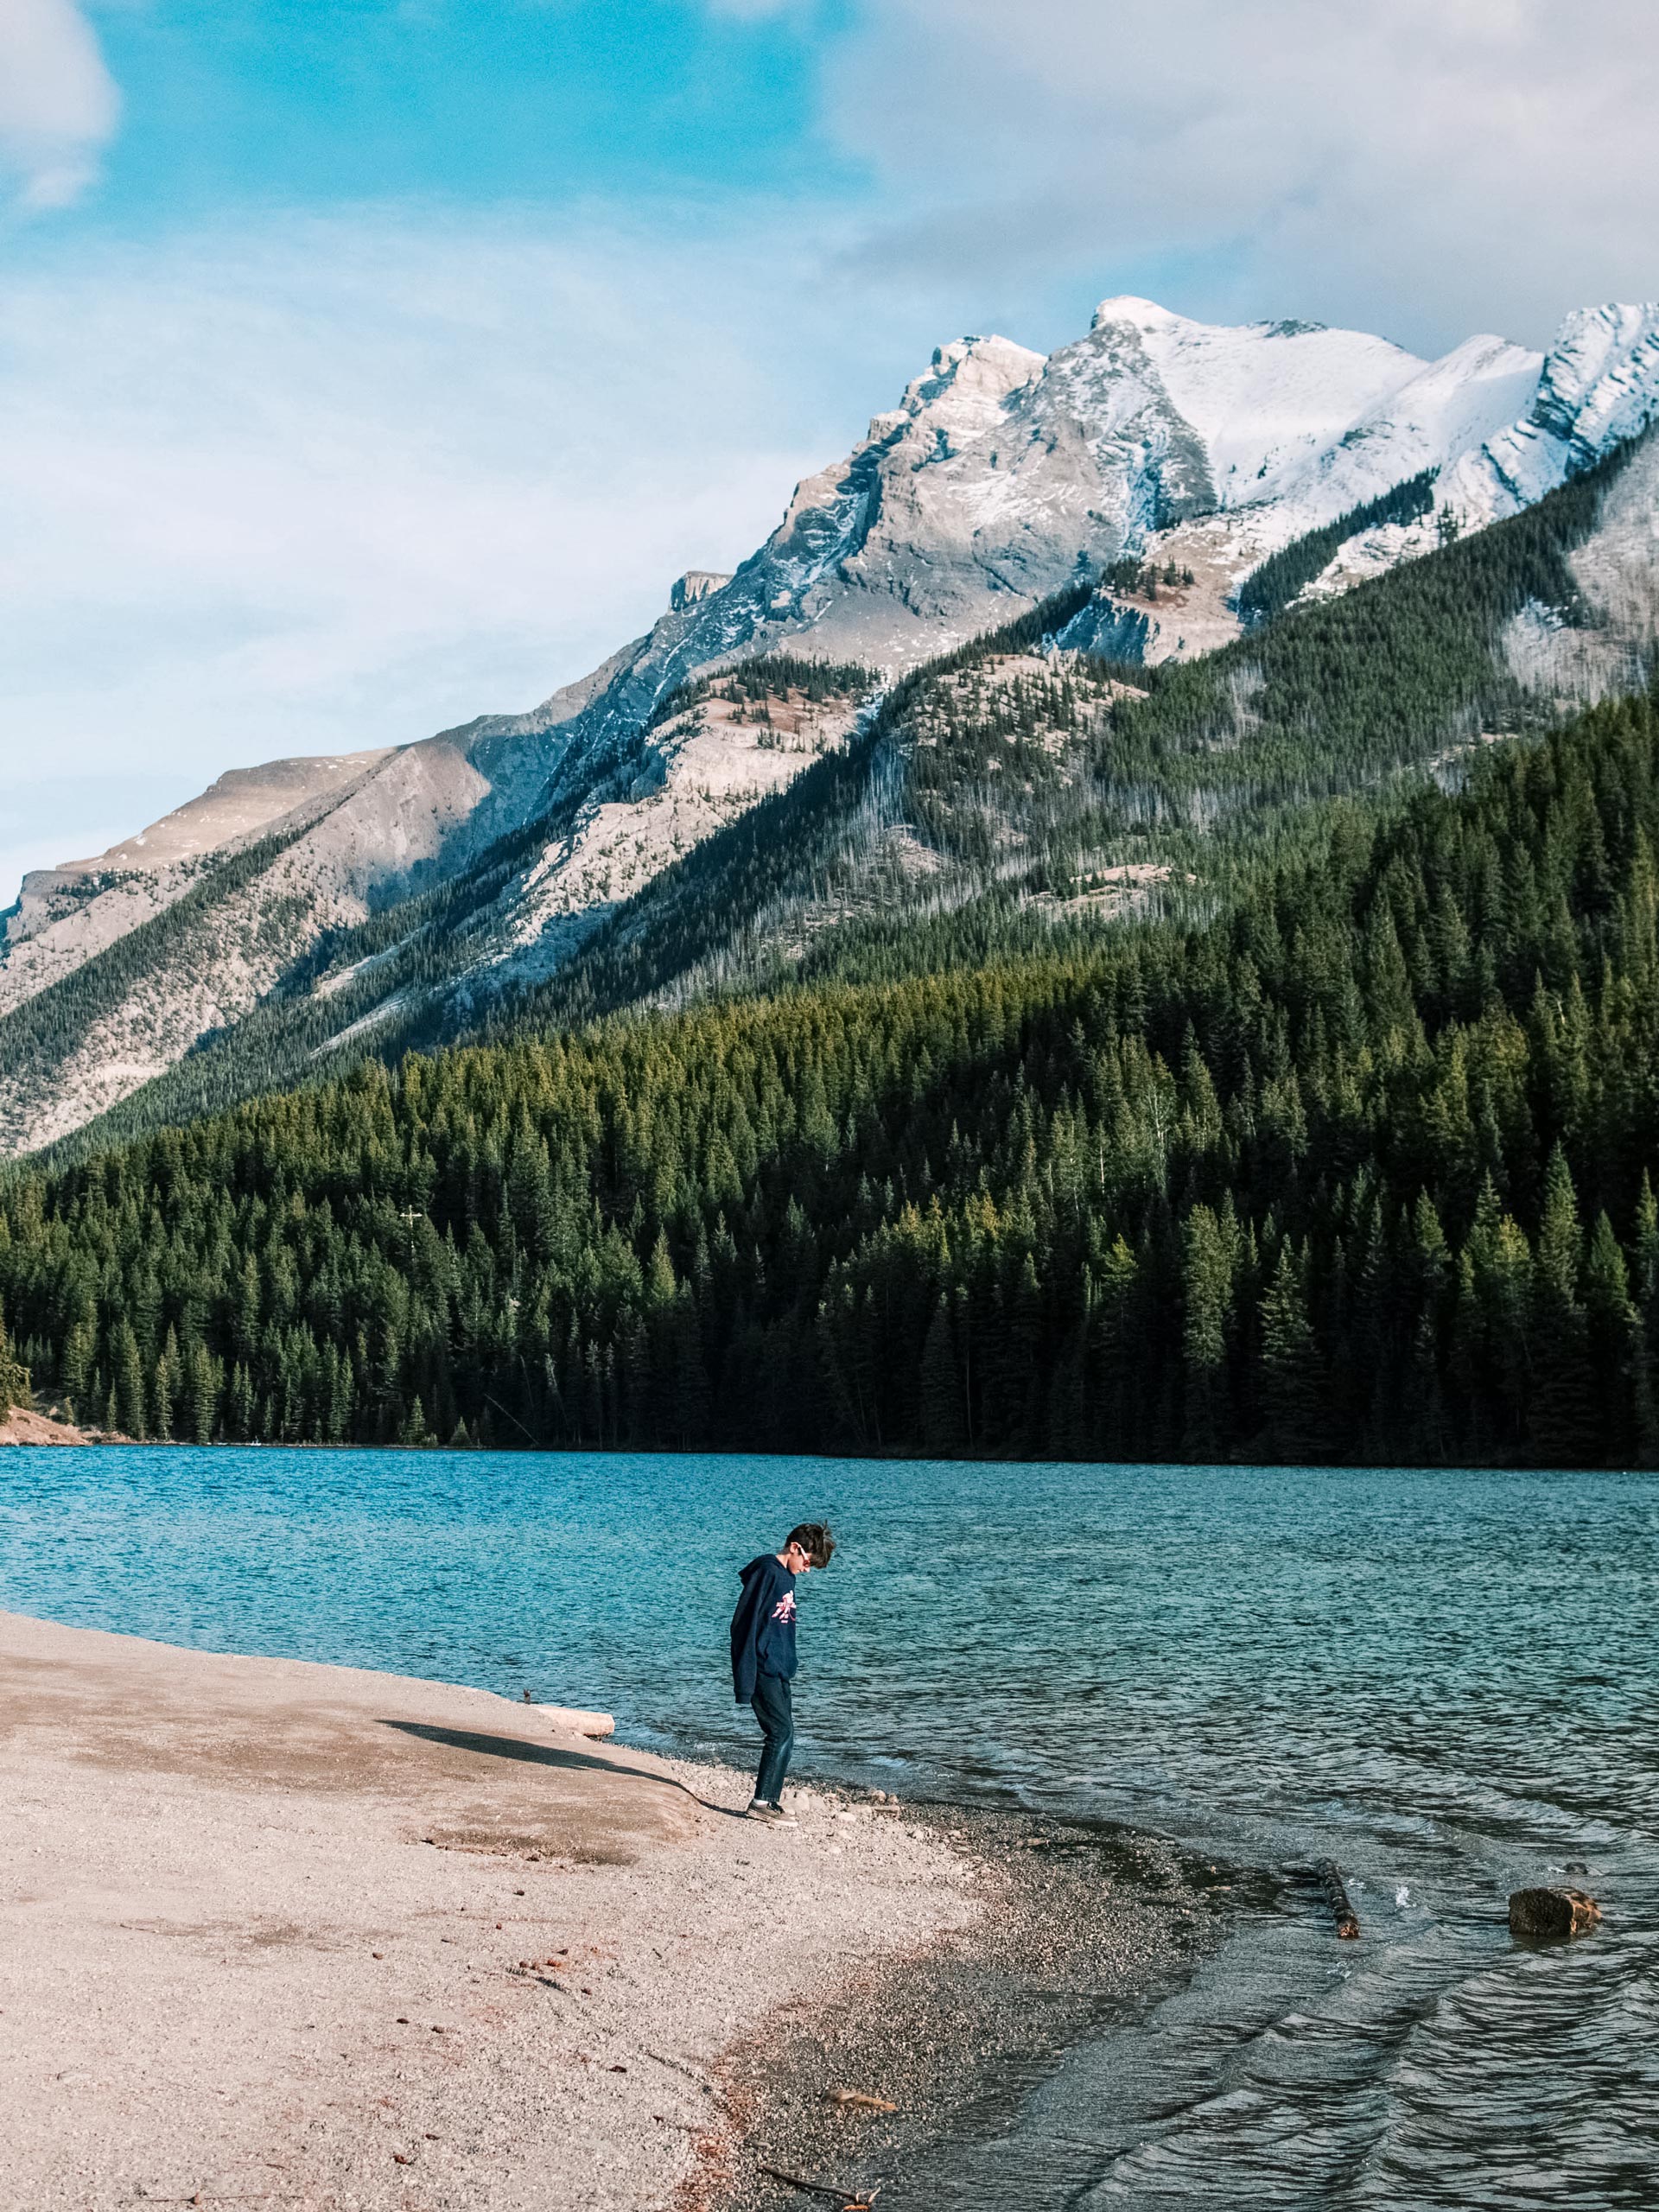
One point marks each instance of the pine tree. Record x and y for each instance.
(1118, 1419)
(1426, 1427)
(201, 1396)
(1644, 1347)
(241, 1418)
(1563, 1423)
(14, 1376)
(1295, 1390)
(132, 1417)
(1610, 1321)
(1207, 1301)
(945, 1427)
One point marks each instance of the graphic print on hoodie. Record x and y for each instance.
(763, 1627)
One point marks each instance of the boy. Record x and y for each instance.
(763, 1655)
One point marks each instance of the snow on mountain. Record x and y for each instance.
(1501, 424)
(1263, 403)
(1597, 384)
(1001, 476)
(1445, 408)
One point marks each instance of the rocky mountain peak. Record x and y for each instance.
(1600, 379)
(696, 584)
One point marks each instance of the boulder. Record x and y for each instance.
(1551, 1915)
(574, 1721)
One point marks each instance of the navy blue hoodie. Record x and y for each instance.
(763, 1627)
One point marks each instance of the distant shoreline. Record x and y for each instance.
(63, 1433)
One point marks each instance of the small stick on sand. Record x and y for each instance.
(848, 2198)
(1330, 1879)
(222, 2196)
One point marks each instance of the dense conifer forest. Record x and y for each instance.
(1358, 1168)
(1268, 590)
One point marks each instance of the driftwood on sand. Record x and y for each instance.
(851, 2200)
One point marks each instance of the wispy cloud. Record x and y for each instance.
(1427, 166)
(331, 483)
(58, 106)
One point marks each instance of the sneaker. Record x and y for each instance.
(773, 1815)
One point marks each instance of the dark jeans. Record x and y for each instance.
(774, 1709)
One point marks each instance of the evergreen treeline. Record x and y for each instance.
(1345, 694)
(1359, 1170)
(771, 676)
(1141, 578)
(1268, 589)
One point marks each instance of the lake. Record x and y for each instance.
(1445, 1681)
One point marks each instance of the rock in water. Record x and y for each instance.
(1336, 1896)
(1547, 1916)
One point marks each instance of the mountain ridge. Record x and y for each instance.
(1003, 477)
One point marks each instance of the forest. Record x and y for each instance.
(1357, 1167)
(1268, 589)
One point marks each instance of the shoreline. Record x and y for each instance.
(1083, 1927)
(24, 1425)
(333, 1937)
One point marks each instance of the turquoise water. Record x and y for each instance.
(1445, 1681)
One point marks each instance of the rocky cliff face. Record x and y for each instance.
(1001, 476)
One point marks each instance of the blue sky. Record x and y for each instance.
(307, 101)
(368, 364)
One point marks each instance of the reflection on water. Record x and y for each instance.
(1444, 1681)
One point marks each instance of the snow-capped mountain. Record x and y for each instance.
(1001, 476)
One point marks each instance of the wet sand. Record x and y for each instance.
(1081, 1927)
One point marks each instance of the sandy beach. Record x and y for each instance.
(317, 1937)
(23, 1425)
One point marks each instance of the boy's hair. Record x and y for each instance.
(814, 1539)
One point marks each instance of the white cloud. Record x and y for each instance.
(58, 106)
(1426, 166)
(332, 483)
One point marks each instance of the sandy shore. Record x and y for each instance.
(22, 1424)
(264, 1928)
